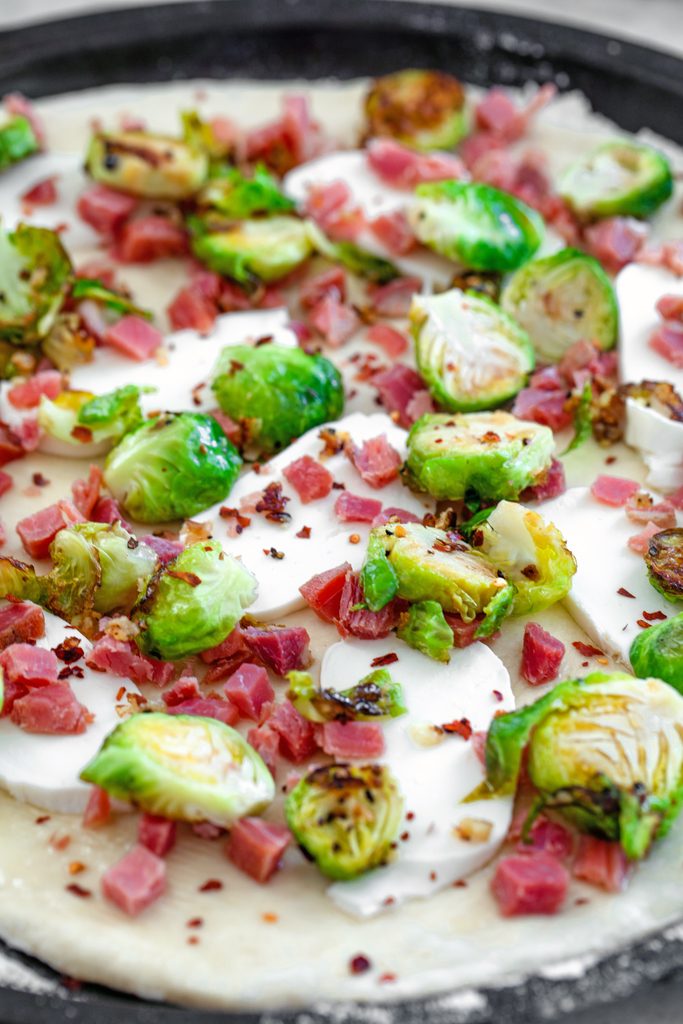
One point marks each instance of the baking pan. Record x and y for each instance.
(279, 39)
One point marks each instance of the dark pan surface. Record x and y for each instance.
(281, 39)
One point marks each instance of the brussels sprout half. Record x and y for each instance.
(78, 417)
(471, 354)
(424, 627)
(353, 257)
(346, 817)
(605, 751)
(658, 652)
(422, 109)
(492, 455)
(92, 288)
(376, 696)
(183, 767)
(253, 250)
(238, 197)
(562, 299)
(530, 552)
(276, 393)
(475, 225)
(172, 467)
(35, 273)
(147, 165)
(619, 178)
(432, 565)
(193, 603)
(17, 141)
(664, 561)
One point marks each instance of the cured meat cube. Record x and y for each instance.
(390, 340)
(397, 387)
(150, 238)
(297, 735)
(122, 659)
(352, 508)
(27, 394)
(186, 688)
(542, 654)
(323, 592)
(207, 707)
(529, 883)
(266, 742)
(256, 847)
(394, 299)
(550, 837)
(601, 863)
(133, 337)
(362, 622)
(281, 648)
(104, 209)
(29, 666)
(157, 834)
(613, 490)
(353, 741)
(249, 690)
(376, 461)
(309, 478)
(20, 622)
(136, 881)
(37, 531)
(52, 709)
(98, 808)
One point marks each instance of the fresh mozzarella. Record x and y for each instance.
(434, 779)
(598, 537)
(330, 541)
(659, 440)
(44, 770)
(638, 289)
(374, 197)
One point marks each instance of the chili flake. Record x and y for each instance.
(384, 659)
(78, 890)
(625, 593)
(587, 650)
(359, 964)
(211, 885)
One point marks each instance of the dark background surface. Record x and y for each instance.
(313, 38)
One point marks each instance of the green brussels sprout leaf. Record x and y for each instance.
(237, 197)
(353, 257)
(583, 419)
(17, 141)
(35, 273)
(252, 251)
(377, 575)
(618, 179)
(425, 628)
(658, 652)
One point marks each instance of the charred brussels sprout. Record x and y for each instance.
(472, 355)
(238, 197)
(353, 257)
(183, 767)
(375, 696)
(172, 467)
(193, 603)
(346, 817)
(491, 455)
(530, 552)
(424, 627)
(475, 225)
(658, 652)
(147, 165)
(432, 565)
(78, 417)
(17, 141)
(254, 250)
(619, 178)
(605, 751)
(276, 393)
(562, 299)
(35, 273)
(664, 560)
(423, 109)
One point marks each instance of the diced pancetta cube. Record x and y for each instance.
(29, 666)
(207, 707)
(323, 592)
(133, 337)
(256, 847)
(297, 735)
(601, 863)
(37, 531)
(135, 881)
(157, 834)
(104, 209)
(309, 478)
(122, 659)
(377, 462)
(613, 490)
(50, 710)
(281, 648)
(529, 883)
(352, 508)
(150, 238)
(391, 341)
(542, 654)
(98, 809)
(249, 689)
(27, 393)
(20, 622)
(362, 622)
(353, 741)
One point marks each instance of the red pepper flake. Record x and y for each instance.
(193, 940)
(42, 819)
(72, 984)
(195, 922)
(120, 693)
(359, 964)
(587, 650)
(410, 816)
(459, 883)
(69, 650)
(432, 876)
(58, 842)
(78, 890)
(404, 837)
(191, 578)
(211, 885)
(234, 513)
(654, 616)
(274, 553)
(82, 434)
(304, 532)
(610, 460)
(388, 901)
(497, 695)
(76, 867)
(463, 727)
(625, 593)
(581, 901)
(386, 978)
(272, 504)
(643, 624)
(71, 670)
(269, 918)
(354, 538)
(39, 480)
(338, 486)
(384, 659)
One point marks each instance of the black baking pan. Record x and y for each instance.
(279, 39)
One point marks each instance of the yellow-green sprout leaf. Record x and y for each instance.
(238, 197)
(583, 419)
(147, 165)
(423, 109)
(183, 767)
(17, 141)
(253, 250)
(619, 178)
(77, 417)
(35, 274)
(377, 575)
(353, 257)
(376, 696)
(658, 652)
(425, 628)
(91, 288)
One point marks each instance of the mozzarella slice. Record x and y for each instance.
(433, 779)
(374, 197)
(330, 541)
(598, 537)
(659, 440)
(44, 770)
(638, 289)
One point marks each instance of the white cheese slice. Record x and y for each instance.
(433, 779)
(329, 543)
(638, 289)
(374, 197)
(44, 770)
(659, 440)
(598, 537)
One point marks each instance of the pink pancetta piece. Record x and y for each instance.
(135, 881)
(377, 462)
(157, 834)
(50, 710)
(29, 666)
(542, 655)
(256, 847)
(122, 658)
(353, 741)
(37, 531)
(27, 393)
(20, 622)
(613, 490)
(133, 337)
(529, 883)
(309, 478)
(249, 689)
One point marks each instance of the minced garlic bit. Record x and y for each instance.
(473, 830)
(121, 628)
(426, 735)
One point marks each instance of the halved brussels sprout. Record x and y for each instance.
(183, 767)
(346, 817)
(423, 109)
(471, 354)
(172, 467)
(605, 751)
(68, 343)
(664, 560)
(375, 696)
(432, 565)
(658, 652)
(199, 134)
(377, 575)
(35, 273)
(562, 299)
(99, 568)
(425, 628)
(619, 178)
(238, 197)
(193, 603)
(353, 257)
(492, 455)
(530, 552)
(147, 165)
(475, 225)
(78, 417)
(276, 393)
(17, 141)
(254, 250)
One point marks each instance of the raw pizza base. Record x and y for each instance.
(286, 944)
